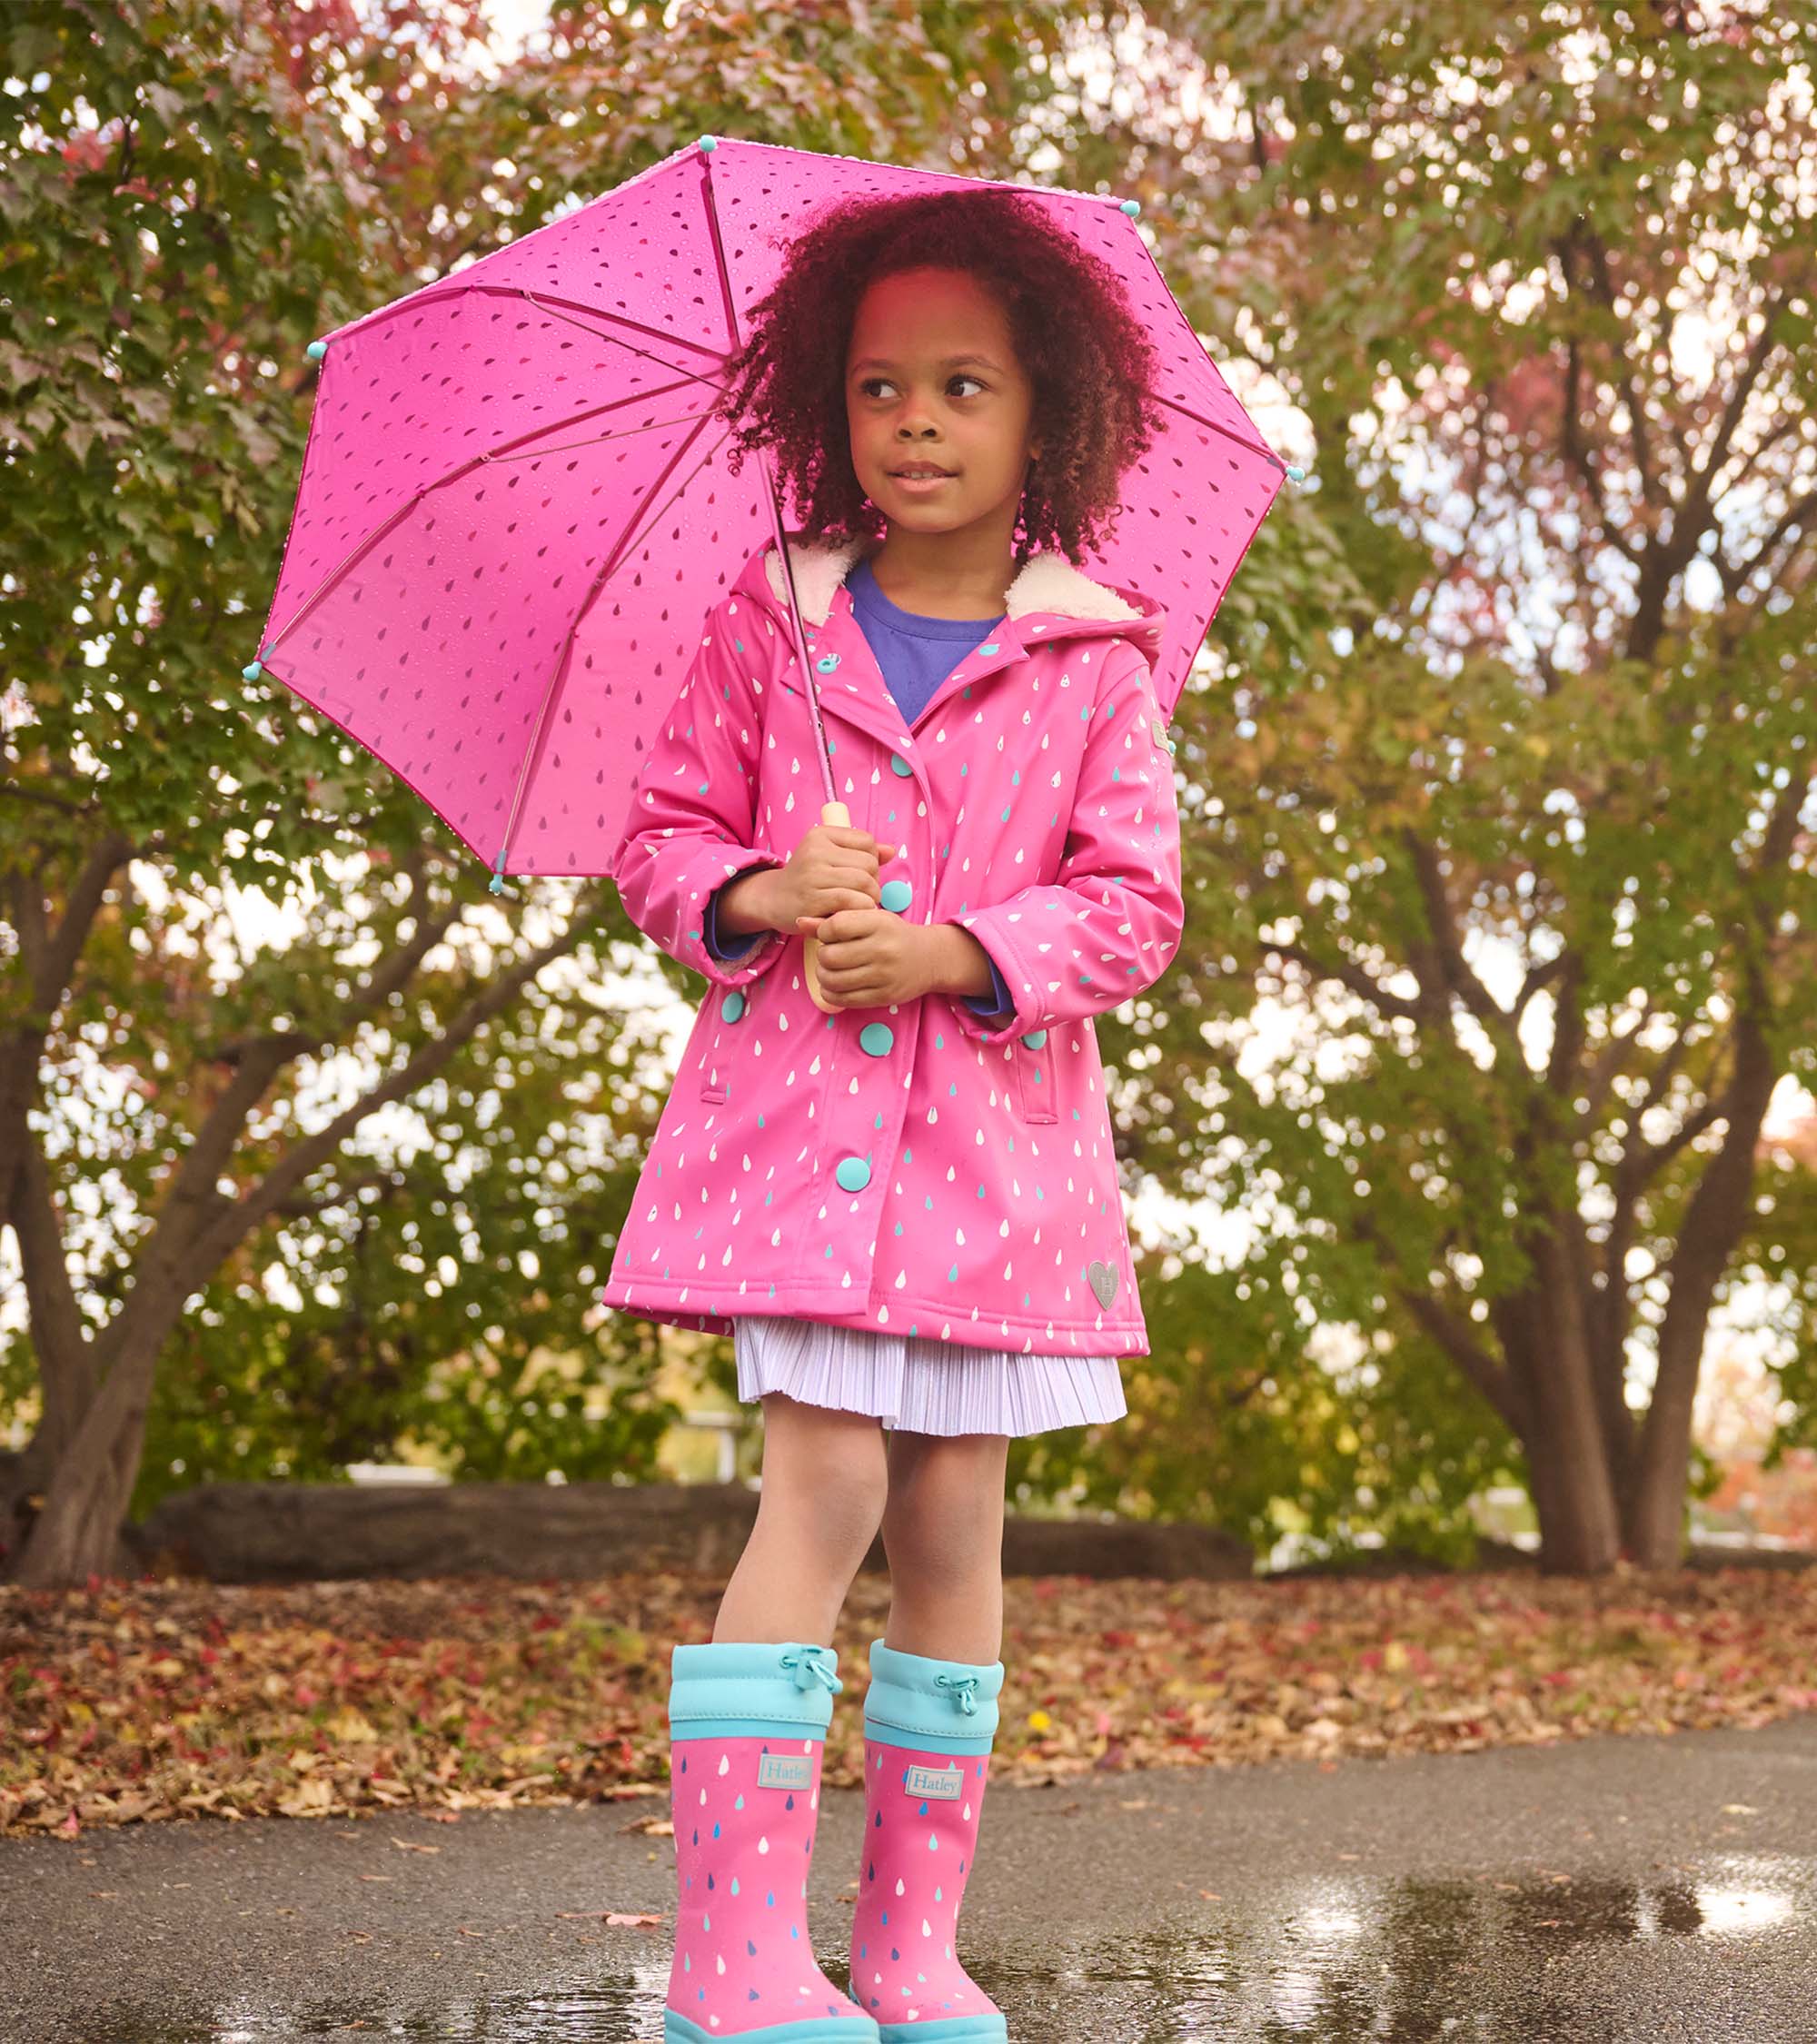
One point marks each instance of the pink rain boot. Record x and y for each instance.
(748, 1725)
(928, 1733)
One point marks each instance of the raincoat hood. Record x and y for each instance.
(1048, 597)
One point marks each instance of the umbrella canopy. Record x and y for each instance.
(513, 512)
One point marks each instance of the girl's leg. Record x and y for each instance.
(748, 1716)
(930, 1718)
(943, 1533)
(824, 1476)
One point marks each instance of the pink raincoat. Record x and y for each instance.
(912, 1167)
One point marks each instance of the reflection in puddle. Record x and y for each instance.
(1336, 1961)
(627, 2007)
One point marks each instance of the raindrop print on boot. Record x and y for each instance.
(928, 1726)
(748, 1726)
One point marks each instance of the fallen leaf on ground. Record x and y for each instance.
(131, 1702)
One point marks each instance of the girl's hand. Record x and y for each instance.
(833, 867)
(869, 957)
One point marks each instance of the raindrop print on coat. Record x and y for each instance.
(958, 1182)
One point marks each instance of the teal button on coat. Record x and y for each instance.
(1037, 812)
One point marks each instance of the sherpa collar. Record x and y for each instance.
(1047, 583)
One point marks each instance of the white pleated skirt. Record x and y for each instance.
(919, 1385)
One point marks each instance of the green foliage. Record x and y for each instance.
(1500, 860)
(190, 194)
(183, 210)
(433, 1296)
(1242, 1416)
(1493, 783)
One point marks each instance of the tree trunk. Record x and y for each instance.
(78, 1532)
(1573, 1492)
(1578, 1531)
(1713, 1223)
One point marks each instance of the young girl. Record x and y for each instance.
(906, 1210)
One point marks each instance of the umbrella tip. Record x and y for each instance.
(316, 349)
(1295, 472)
(496, 884)
(708, 142)
(252, 670)
(1131, 206)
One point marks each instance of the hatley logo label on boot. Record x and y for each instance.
(785, 1770)
(934, 1785)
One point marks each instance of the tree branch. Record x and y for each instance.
(1459, 978)
(1577, 448)
(1714, 1221)
(1797, 515)
(1701, 480)
(1610, 1063)
(52, 960)
(18, 793)
(1351, 975)
(1443, 1327)
(226, 1230)
(1652, 491)
(1538, 977)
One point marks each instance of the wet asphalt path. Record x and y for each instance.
(1593, 1892)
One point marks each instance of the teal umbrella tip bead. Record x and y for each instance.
(709, 142)
(316, 349)
(252, 670)
(497, 885)
(1295, 472)
(1131, 206)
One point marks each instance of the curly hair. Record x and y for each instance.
(1084, 351)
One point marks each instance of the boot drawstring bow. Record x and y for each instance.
(966, 1688)
(807, 1666)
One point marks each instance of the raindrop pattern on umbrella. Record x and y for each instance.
(514, 511)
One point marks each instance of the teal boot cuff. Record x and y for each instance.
(735, 1689)
(939, 1706)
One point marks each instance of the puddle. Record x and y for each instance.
(1344, 1959)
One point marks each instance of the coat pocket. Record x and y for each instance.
(722, 1045)
(1035, 1075)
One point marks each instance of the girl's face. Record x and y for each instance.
(910, 399)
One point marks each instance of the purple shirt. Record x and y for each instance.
(916, 654)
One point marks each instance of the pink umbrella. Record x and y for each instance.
(513, 512)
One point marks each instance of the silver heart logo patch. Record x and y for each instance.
(1102, 1280)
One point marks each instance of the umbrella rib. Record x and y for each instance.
(709, 207)
(595, 439)
(551, 306)
(1185, 411)
(416, 300)
(362, 547)
(1211, 425)
(709, 201)
(559, 674)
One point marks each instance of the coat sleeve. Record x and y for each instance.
(688, 826)
(997, 1002)
(717, 942)
(1109, 924)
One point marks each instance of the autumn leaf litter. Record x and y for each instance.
(143, 1702)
